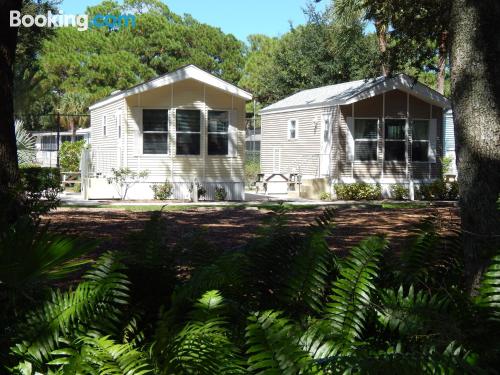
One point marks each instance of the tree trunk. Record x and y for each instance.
(443, 55)
(9, 171)
(381, 29)
(475, 85)
(72, 126)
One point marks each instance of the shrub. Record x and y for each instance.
(358, 191)
(69, 156)
(438, 190)
(124, 179)
(446, 163)
(220, 193)
(201, 190)
(400, 192)
(163, 192)
(39, 189)
(252, 169)
(324, 196)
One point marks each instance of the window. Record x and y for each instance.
(188, 132)
(365, 139)
(218, 132)
(49, 143)
(395, 140)
(155, 131)
(104, 125)
(65, 138)
(292, 129)
(119, 124)
(420, 140)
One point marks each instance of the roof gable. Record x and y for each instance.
(181, 74)
(354, 91)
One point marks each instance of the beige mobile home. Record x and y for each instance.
(183, 127)
(383, 130)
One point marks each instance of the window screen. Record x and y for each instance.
(218, 132)
(365, 139)
(155, 131)
(395, 140)
(187, 132)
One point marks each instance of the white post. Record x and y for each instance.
(412, 190)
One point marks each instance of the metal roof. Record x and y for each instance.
(350, 92)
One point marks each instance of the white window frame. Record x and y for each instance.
(405, 139)
(189, 132)
(289, 128)
(226, 132)
(365, 139)
(428, 140)
(155, 131)
(105, 126)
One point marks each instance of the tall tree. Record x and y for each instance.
(9, 172)
(475, 84)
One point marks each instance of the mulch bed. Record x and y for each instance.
(229, 228)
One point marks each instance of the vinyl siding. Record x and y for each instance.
(189, 94)
(105, 149)
(397, 105)
(299, 155)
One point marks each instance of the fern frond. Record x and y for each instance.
(411, 313)
(351, 293)
(308, 274)
(203, 345)
(95, 302)
(273, 346)
(101, 354)
(489, 291)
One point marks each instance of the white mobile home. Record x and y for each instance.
(182, 127)
(382, 130)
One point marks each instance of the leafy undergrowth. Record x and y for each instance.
(282, 304)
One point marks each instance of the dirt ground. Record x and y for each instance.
(229, 228)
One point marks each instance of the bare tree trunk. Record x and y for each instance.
(381, 29)
(9, 171)
(475, 84)
(72, 126)
(443, 55)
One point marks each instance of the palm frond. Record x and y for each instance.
(26, 144)
(351, 293)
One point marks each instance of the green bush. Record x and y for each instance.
(69, 156)
(220, 193)
(163, 192)
(39, 189)
(358, 191)
(202, 192)
(400, 192)
(324, 196)
(438, 190)
(252, 169)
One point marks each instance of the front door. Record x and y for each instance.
(326, 145)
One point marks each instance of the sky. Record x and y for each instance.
(238, 17)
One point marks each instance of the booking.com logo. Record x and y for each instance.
(81, 21)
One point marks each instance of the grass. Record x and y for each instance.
(393, 205)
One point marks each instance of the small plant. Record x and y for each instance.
(124, 179)
(40, 189)
(252, 169)
(358, 191)
(400, 192)
(220, 193)
(438, 190)
(70, 156)
(202, 192)
(446, 163)
(163, 192)
(325, 196)
(25, 143)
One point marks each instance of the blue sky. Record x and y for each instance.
(238, 17)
